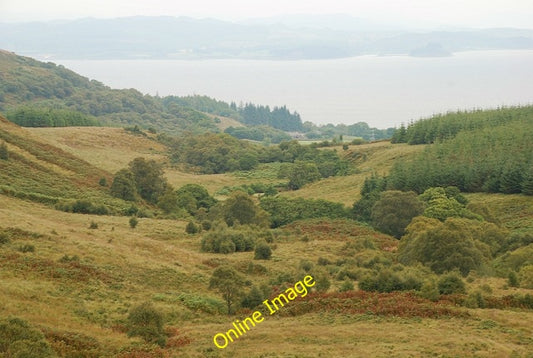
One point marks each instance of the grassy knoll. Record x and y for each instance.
(376, 158)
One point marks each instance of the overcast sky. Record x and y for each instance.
(471, 13)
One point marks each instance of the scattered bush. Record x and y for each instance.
(512, 279)
(93, 225)
(525, 276)
(347, 285)
(387, 281)
(253, 299)
(26, 248)
(146, 322)
(451, 283)
(262, 251)
(133, 222)
(18, 339)
(191, 228)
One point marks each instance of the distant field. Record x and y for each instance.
(107, 148)
(376, 158)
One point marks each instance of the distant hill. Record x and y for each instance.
(37, 171)
(28, 82)
(39, 94)
(334, 36)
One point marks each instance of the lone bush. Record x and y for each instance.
(451, 283)
(262, 251)
(191, 228)
(146, 322)
(133, 222)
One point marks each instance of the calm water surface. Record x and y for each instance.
(383, 91)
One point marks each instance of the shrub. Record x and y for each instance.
(253, 299)
(4, 238)
(512, 279)
(223, 239)
(27, 248)
(262, 251)
(475, 300)
(18, 339)
(4, 153)
(430, 291)
(191, 228)
(526, 276)
(451, 283)
(322, 282)
(347, 285)
(93, 225)
(394, 211)
(146, 322)
(133, 222)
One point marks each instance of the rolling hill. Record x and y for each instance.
(79, 278)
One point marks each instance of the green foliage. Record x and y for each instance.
(279, 117)
(191, 228)
(284, 210)
(224, 240)
(93, 225)
(447, 126)
(526, 276)
(451, 283)
(4, 153)
(240, 208)
(491, 159)
(229, 283)
(527, 183)
(262, 251)
(83, 206)
(512, 279)
(49, 87)
(455, 244)
(204, 104)
(258, 133)
(146, 321)
(475, 300)
(394, 211)
(370, 193)
(253, 299)
(49, 117)
(387, 280)
(192, 197)
(133, 222)
(347, 285)
(213, 153)
(123, 185)
(302, 173)
(430, 291)
(322, 280)
(149, 178)
(442, 203)
(19, 339)
(514, 260)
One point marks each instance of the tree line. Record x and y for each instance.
(446, 126)
(49, 117)
(493, 159)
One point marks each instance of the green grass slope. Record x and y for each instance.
(40, 172)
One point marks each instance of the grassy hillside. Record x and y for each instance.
(377, 158)
(40, 172)
(78, 285)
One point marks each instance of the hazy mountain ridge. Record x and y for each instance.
(188, 38)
